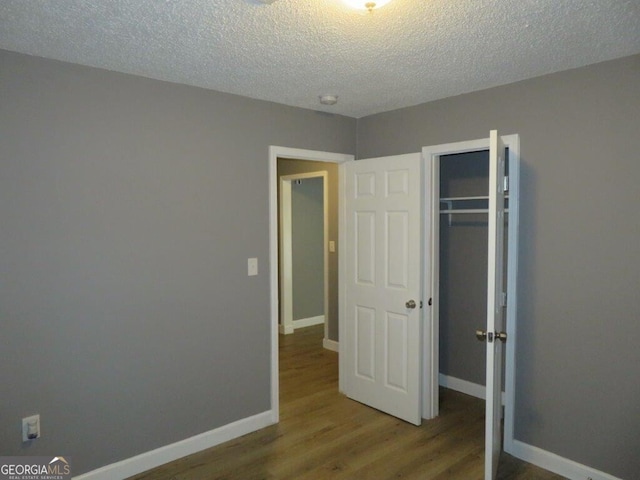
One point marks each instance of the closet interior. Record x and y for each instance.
(463, 242)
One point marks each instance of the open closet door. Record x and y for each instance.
(495, 335)
(383, 249)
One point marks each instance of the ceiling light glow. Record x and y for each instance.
(366, 4)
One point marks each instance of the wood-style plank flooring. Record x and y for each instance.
(324, 435)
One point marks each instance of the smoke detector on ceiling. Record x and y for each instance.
(328, 99)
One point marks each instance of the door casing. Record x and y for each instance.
(276, 152)
(431, 156)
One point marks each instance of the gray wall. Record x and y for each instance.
(577, 386)
(307, 245)
(291, 167)
(129, 208)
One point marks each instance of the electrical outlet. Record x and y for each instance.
(30, 428)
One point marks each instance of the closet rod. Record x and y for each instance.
(466, 199)
(462, 199)
(467, 211)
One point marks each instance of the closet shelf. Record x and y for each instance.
(465, 210)
(472, 202)
(462, 199)
(469, 210)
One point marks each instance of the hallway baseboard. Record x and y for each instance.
(331, 345)
(308, 322)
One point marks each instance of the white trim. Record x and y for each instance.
(464, 386)
(285, 329)
(168, 453)
(431, 287)
(342, 277)
(556, 464)
(287, 324)
(308, 322)
(331, 345)
(276, 152)
(285, 258)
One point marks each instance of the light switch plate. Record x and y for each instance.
(252, 267)
(30, 428)
(332, 246)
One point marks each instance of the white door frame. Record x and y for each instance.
(287, 324)
(431, 156)
(276, 152)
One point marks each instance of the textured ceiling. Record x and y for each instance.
(407, 52)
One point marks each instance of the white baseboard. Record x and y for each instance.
(168, 453)
(556, 464)
(459, 385)
(331, 345)
(285, 329)
(308, 322)
(301, 323)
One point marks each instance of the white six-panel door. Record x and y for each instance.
(495, 309)
(383, 304)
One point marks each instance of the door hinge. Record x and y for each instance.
(503, 299)
(506, 183)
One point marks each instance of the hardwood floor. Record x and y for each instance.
(324, 435)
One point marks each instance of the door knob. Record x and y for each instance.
(411, 304)
(481, 335)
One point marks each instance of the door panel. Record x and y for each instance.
(365, 338)
(396, 254)
(365, 248)
(395, 352)
(383, 255)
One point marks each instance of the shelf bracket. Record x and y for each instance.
(449, 207)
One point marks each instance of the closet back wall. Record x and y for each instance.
(463, 269)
